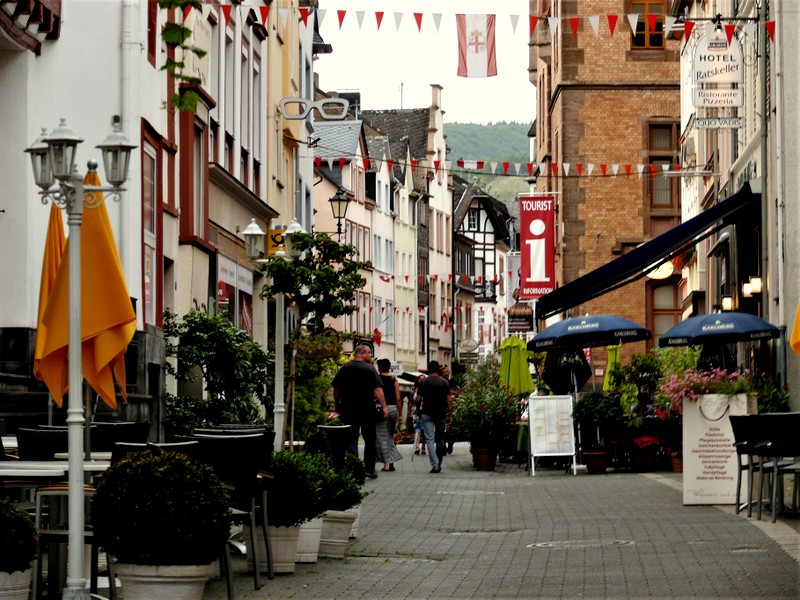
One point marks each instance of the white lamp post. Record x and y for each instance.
(53, 157)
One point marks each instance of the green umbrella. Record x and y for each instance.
(613, 359)
(514, 371)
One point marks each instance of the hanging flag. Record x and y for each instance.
(687, 28)
(437, 20)
(532, 22)
(476, 46)
(304, 14)
(574, 22)
(54, 244)
(360, 18)
(418, 19)
(794, 341)
(594, 21)
(378, 18)
(341, 14)
(612, 24)
(770, 25)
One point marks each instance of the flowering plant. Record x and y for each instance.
(646, 441)
(688, 386)
(484, 409)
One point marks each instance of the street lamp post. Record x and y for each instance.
(339, 203)
(53, 157)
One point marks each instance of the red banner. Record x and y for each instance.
(537, 246)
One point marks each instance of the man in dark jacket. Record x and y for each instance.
(436, 409)
(356, 387)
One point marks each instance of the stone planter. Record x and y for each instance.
(336, 527)
(16, 585)
(484, 459)
(354, 528)
(163, 582)
(284, 543)
(308, 542)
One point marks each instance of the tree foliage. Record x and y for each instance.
(498, 142)
(175, 36)
(234, 369)
(323, 279)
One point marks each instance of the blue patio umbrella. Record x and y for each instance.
(588, 332)
(719, 328)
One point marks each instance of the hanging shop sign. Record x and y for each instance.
(537, 246)
(722, 123)
(716, 61)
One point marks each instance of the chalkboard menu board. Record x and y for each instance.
(550, 427)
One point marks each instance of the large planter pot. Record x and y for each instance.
(676, 463)
(484, 459)
(163, 582)
(354, 528)
(643, 460)
(16, 585)
(308, 542)
(596, 462)
(283, 541)
(336, 527)
(338, 437)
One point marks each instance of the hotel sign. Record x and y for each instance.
(717, 64)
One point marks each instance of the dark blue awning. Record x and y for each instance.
(635, 264)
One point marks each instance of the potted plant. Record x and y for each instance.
(484, 411)
(295, 496)
(689, 385)
(161, 514)
(342, 491)
(599, 415)
(19, 548)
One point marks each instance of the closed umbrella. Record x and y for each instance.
(719, 328)
(514, 371)
(613, 359)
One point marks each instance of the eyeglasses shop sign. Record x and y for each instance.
(716, 62)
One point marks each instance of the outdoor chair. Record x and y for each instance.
(781, 449)
(748, 436)
(106, 433)
(51, 502)
(41, 443)
(237, 460)
(122, 449)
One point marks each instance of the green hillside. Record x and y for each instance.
(494, 142)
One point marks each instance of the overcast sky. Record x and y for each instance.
(394, 68)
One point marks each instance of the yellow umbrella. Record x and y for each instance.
(514, 371)
(794, 341)
(108, 322)
(53, 251)
(613, 359)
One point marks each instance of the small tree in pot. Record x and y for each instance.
(18, 549)
(164, 510)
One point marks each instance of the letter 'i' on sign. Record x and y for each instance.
(537, 247)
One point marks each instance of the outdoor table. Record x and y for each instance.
(95, 456)
(89, 466)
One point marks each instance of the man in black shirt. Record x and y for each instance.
(436, 409)
(356, 387)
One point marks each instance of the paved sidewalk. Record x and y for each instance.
(464, 534)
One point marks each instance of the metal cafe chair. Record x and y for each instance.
(780, 450)
(41, 443)
(748, 436)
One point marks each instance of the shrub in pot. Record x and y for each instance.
(161, 509)
(19, 547)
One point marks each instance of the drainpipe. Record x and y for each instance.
(124, 111)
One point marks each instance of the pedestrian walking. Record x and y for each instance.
(436, 410)
(387, 451)
(416, 408)
(356, 388)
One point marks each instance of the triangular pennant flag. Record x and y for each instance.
(436, 277)
(677, 166)
(505, 168)
(398, 17)
(633, 20)
(542, 168)
(418, 19)
(419, 308)
(729, 31)
(206, 10)
(395, 309)
(603, 167)
(341, 163)
(573, 24)
(383, 309)
(304, 14)
(318, 162)
(341, 14)
(652, 22)
(615, 168)
(518, 167)
(493, 165)
(594, 21)
(579, 168)
(687, 28)
(378, 163)
(366, 163)
(653, 169)
(669, 23)
(330, 163)
(552, 23)
(554, 168)
(464, 278)
(530, 169)
(639, 169)
(770, 25)
(449, 277)
(612, 23)
(406, 276)
(565, 166)
(514, 23)
(628, 170)
(413, 165)
(436, 164)
(390, 164)
(283, 17)
(371, 309)
(437, 20)
(665, 169)
(589, 169)
(186, 11)
(226, 12)
(378, 18)
(448, 165)
(408, 308)
(360, 18)
(533, 20)
(321, 12)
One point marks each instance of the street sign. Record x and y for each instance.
(468, 358)
(720, 123)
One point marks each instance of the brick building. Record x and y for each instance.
(612, 101)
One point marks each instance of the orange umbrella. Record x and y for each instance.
(794, 341)
(53, 251)
(108, 322)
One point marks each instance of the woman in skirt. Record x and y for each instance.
(387, 452)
